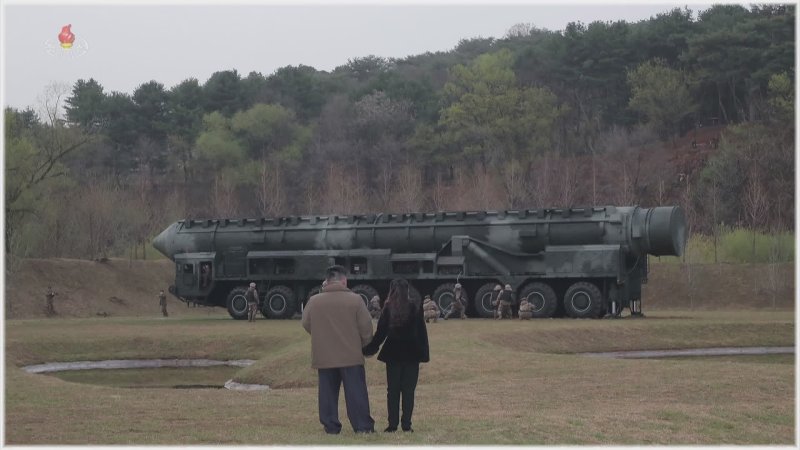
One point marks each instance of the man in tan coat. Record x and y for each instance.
(340, 326)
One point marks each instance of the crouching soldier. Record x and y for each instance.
(525, 310)
(430, 309)
(504, 310)
(375, 307)
(457, 306)
(252, 302)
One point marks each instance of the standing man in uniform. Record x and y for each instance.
(50, 309)
(340, 326)
(252, 302)
(457, 307)
(505, 300)
(496, 300)
(162, 301)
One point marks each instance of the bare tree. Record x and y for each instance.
(101, 221)
(713, 213)
(344, 191)
(755, 203)
(55, 141)
(542, 196)
(385, 182)
(773, 272)
(407, 193)
(568, 182)
(625, 191)
(521, 29)
(661, 192)
(312, 197)
(515, 182)
(439, 194)
(223, 196)
(269, 192)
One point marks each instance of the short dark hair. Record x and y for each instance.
(335, 273)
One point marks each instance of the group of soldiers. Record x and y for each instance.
(501, 301)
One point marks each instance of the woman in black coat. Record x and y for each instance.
(402, 326)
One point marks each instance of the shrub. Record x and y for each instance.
(735, 245)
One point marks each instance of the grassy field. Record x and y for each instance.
(488, 383)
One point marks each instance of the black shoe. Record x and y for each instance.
(409, 429)
(390, 429)
(365, 431)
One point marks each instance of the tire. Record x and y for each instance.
(443, 296)
(542, 298)
(483, 300)
(366, 292)
(583, 300)
(278, 303)
(314, 291)
(237, 303)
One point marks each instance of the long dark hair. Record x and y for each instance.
(398, 303)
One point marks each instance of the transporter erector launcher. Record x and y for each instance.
(582, 262)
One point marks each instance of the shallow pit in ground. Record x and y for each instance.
(151, 373)
(166, 377)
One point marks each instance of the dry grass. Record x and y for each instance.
(489, 383)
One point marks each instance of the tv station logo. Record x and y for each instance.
(67, 44)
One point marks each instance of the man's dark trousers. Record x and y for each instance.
(356, 398)
(401, 378)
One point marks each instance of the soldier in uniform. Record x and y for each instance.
(496, 300)
(457, 307)
(431, 311)
(252, 302)
(50, 309)
(205, 275)
(504, 310)
(525, 312)
(375, 307)
(162, 301)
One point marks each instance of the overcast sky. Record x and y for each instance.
(124, 46)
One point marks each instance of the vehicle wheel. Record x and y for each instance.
(483, 300)
(542, 298)
(583, 300)
(237, 303)
(314, 291)
(366, 292)
(279, 303)
(444, 296)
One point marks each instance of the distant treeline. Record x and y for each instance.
(537, 118)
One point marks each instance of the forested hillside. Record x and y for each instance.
(690, 108)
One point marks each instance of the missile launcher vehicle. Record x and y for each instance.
(579, 262)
